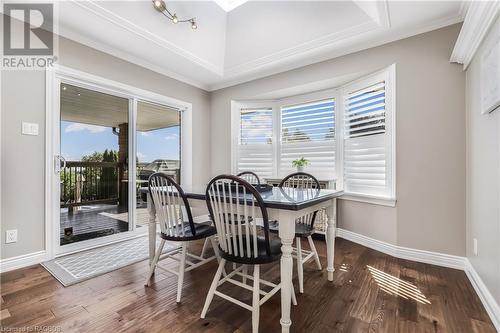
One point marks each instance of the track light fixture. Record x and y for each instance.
(160, 6)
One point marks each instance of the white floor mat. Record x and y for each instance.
(84, 265)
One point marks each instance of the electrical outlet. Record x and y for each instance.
(475, 246)
(10, 236)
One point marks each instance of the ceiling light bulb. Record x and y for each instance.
(159, 5)
(64, 87)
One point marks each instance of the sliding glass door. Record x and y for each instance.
(94, 146)
(158, 148)
(98, 182)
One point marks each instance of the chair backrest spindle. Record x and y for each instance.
(170, 203)
(302, 181)
(234, 205)
(250, 177)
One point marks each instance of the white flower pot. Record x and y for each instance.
(300, 169)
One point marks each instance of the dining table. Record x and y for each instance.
(285, 205)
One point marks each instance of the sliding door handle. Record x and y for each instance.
(58, 159)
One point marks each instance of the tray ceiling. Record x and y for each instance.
(240, 40)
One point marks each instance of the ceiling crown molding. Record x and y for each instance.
(379, 19)
(314, 45)
(92, 6)
(479, 18)
(378, 11)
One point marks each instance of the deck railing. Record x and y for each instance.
(84, 183)
(89, 182)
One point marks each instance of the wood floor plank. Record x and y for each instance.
(4, 314)
(371, 292)
(384, 315)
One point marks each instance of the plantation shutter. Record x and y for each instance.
(255, 146)
(308, 130)
(368, 138)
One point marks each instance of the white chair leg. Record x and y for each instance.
(215, 247)
(213, 287)
(182, 268)
(204, 248)
(154, 262)
(245, 272)
(300, 268)
(313, 249)
(256, 299)
(294, 298)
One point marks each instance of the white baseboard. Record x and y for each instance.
(491, 306)
(434, 258)
(427, 257)
(24, 260)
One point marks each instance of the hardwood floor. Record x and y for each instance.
(372, 292)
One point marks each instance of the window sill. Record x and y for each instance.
(369, 199)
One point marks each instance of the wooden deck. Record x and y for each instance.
(371, 292)
(98, 221)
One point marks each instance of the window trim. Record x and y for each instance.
(370, 199)
(389, 75)
(338, 93)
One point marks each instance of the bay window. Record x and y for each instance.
(346, 134)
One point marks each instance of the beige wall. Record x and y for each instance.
(23, 157)
(430, 211)
(23, 161)
(483, 180)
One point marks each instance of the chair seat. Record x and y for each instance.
(262, 256)
(235, 217)
(202, 230)
(301, 229)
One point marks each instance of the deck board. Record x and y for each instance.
(100, 221)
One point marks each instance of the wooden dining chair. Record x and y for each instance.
(250, 177)
(304, 226)
(243, 242)
(177, 225)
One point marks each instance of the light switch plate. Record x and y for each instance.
(10, 236)
(29, 128)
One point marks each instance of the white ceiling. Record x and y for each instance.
(237, 41)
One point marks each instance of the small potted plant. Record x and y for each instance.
(300, 163)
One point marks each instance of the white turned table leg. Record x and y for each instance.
(286, 234)
(151, 228)
(331, 212)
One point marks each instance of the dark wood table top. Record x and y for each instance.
(277, 198)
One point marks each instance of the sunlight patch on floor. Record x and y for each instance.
(395, 286)
(344, 268)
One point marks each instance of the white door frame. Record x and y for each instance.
(54, 77)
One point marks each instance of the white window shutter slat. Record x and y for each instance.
(366, 156)
(365, 165)
(255, 146)
(308, 130)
